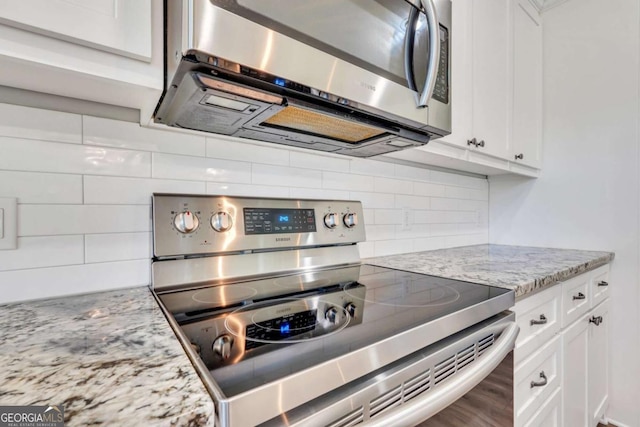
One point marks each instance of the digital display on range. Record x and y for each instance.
(276, 221)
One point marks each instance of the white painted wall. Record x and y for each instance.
(84, 189)
(588, 193)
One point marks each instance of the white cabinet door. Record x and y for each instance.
(598, 366)
(526, 131)
(122, 27)
(574, 384)
(491, 103)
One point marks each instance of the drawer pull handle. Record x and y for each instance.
(579, 296)
(596, 320)
(540, 383)
(603, 283)
(542, 321)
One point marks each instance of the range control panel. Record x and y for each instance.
(187, 225)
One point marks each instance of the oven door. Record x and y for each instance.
(389, 55)
(464, 380)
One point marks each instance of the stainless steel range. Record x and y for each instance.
(286, 326)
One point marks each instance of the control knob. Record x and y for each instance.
(222, 346)
(330, 220)
(186, 222)
(332, 315)
(221, 222)
(351, 309)
(350, 219)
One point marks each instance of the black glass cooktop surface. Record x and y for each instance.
(255, 332)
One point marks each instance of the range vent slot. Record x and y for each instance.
(444, 369)
(417, 385)
(385, 401)
(351, 419)
(466, 356)
(485, 343)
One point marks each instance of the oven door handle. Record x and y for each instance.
(442, 396)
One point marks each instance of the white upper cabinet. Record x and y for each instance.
(122, 27)
(107, 51)
(526, 131)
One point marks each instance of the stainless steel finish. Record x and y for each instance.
(596, 320)
(222, 346)
(423, 99)
(221, 222)
(330, 220)
(206, 240)
(212, 37)
(186, 222)
(579, 296)
(420, 409)
(332, 315)
(351, 309)
(603, 283)
(172, 274)
(295, 390)
(542, 321)
(350, 220)
(541, 383)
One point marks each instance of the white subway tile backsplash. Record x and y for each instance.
(231, 189)
(115, 133)
(117, 247)
(38, 252)
(48, 282)
(413, 202)
(318, 161)
(42, 156)
(221, 147)
(372, 167)
(285, 176)
(315, 193)
(34, 123)
(50, 220)
(428, 189)
(84, 209)
(102, 190)
(346, 181)
(374, 200)
(387, 216)
(394, 186)
(170, 166)
(35, 187)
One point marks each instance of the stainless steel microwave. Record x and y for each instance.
(354, 77)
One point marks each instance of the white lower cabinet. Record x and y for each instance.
(561, 376)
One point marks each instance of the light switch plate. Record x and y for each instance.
(9, 223)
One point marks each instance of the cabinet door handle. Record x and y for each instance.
(603, 283)
(481, 143)
(472, 141)
(519, 156)
(579, 296)
(540, 383)
(596, 320)
(542, 321)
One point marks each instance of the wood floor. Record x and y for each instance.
(606, 425)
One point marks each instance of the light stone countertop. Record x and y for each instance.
(111, 358)
(521, 268)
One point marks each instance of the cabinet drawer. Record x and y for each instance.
(575, 298)
(538, 317)
(550, 415)
(536, 379)
(599, 285)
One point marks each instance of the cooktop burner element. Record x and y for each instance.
(288, 317)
